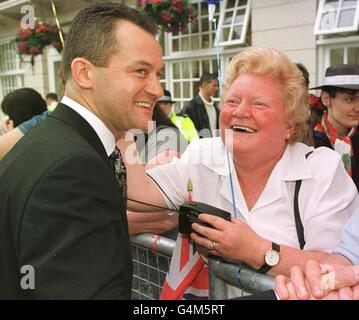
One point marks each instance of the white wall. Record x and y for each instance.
(287, 25)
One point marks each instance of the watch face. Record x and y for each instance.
(272, 258)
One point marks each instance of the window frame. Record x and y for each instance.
(223, 9)
(335, 29)
(326, 45)
(191, 35)
(17, 73)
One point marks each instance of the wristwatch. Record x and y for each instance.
(271, 258)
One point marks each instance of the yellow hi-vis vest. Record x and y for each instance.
(185, 125)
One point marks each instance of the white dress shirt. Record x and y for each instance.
(105, 135)
(327, 196)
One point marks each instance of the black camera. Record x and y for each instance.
(189, 212)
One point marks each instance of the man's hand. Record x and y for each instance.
(320, 281)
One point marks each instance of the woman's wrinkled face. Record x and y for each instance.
(252, 118)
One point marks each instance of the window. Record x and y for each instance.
(339, 52)
(185, 76)
(188, 54)
(11, 72)
(346, 54)
(233, 22)
(199, 34)
(337, 16)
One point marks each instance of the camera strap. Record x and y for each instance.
(155, 206)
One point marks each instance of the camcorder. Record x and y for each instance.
(189, 212)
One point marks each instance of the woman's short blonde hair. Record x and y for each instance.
(273, 64)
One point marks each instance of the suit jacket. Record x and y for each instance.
(321, 140)
(196, 110)
(62, 213)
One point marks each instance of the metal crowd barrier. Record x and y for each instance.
(151, 256)
(221, 274)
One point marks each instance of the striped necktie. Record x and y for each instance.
(120, 172)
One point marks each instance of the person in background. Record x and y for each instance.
(10, 138)
(164, 140)
(202, 109)
(315, 108)
(21, 105)
(337, 128)
(182, 121)
(52, 101)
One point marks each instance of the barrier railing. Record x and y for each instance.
(151, 256)
(221, 274)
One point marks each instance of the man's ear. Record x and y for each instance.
(325, 98)
(81, 70)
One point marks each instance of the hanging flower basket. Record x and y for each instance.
(170, 15)
(33, 41)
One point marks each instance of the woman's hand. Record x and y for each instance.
(232, 240)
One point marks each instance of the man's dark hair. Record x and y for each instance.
(22, 104)
(52, 96)
(305, 73)
(207, 77)
(91, 33)
(333, 91)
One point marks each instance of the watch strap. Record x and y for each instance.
(264, 269)
(275, 246)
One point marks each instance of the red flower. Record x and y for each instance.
(32, 41)
(166, 17)
(171, 15)
(179, 8)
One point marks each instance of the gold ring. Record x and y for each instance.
(212, 245)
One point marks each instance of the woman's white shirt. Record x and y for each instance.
(327, 197)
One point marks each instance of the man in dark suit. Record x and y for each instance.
(63, 227)
(202, 109)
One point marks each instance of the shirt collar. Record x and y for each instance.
(208, 103)
(290, 167)
(293, 165)
(105, 135)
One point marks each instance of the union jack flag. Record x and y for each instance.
(187, 277)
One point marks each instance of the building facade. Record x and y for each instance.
(316, 33)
